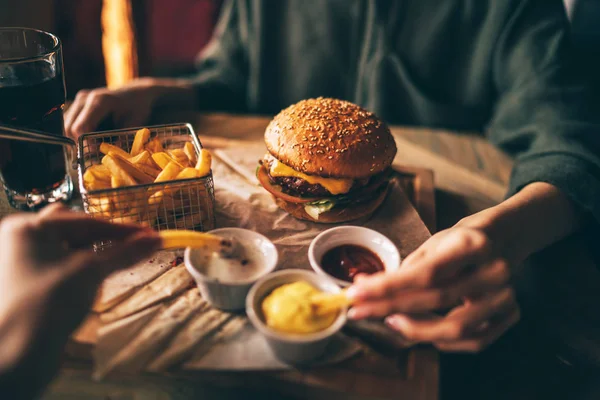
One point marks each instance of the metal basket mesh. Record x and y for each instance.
(179, 204)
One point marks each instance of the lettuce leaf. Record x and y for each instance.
(317, 208)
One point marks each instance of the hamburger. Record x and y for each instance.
(328, 160)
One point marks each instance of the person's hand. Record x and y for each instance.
(128, 106)
(457, 269)
(49, 276)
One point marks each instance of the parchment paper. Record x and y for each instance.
(240, 202)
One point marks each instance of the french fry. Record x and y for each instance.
(114, 164)
(141, 158)
(150, 162)
(116, 182)
(92, 182)
(190, 152)
(154, 146)
(169, 173)
(172, 239)
(155, 199)
(100, 172)
(101, 206)
(141, 138)
(328, 303)
(97, 185)
(162, 159)
(204, 163)
(106, 148)
(132, 170)
(188, 173)
(130, 219)
(122, 202)
(180, 156)
(148, 170)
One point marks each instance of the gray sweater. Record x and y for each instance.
(504, 68)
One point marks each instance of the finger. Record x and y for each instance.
(131, 251)
(458, 324)
(74, 110)
(120, 255)
(96, 108)
(488, 278)
(80, 230)
(486, 338)
(410, 301)
(453, 253)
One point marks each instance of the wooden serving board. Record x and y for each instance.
(379, 372)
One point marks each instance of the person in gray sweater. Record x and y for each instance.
(503, 68)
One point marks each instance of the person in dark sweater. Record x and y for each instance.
(499, 67)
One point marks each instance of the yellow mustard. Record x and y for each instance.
(289, 309)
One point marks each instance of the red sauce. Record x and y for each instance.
(346, 261)
(178, 260)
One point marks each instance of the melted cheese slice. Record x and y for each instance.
(334, 186)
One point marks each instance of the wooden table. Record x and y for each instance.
(544, 357)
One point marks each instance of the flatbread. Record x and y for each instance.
(122, 284)
(196, 331)
(136, 353)
(172, 282)
(112, 336)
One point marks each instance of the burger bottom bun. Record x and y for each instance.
(338, 214)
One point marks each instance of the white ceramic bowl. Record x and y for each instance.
(292, 348)
(231, 296)
(357, 235)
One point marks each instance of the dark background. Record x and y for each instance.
(170, 33)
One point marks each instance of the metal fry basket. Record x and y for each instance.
(178, 204)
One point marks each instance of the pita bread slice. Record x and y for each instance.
(122, 284)
(112, 336)
(137, 352)
(198, 329)
(227, 331)
(172, 282)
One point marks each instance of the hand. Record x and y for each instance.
(457, 269)
(128, 106)
(49, 276)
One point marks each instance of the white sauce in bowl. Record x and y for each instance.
(245, 266)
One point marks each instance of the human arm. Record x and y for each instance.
(545, 118)
(130, 105)
(49, 277)
(472, 260)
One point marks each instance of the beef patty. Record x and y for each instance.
(299, 187)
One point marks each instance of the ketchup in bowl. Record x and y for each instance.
(346, 261)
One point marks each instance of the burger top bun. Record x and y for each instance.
(330, 138)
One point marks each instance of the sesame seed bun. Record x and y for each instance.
(348, 212)
(331, 138)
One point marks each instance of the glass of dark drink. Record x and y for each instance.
(32, 95)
